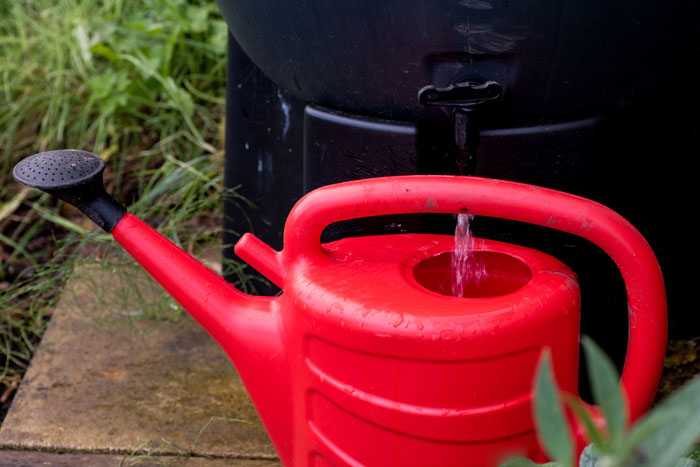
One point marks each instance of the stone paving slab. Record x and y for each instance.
(37, 458)
(108, 379)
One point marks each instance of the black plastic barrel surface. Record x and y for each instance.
(555, 60)
(598, 99)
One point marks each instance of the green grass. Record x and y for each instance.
(145, 453)
(139, 83)
(107, 75)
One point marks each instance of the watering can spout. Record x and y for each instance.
(245, 326)
(223, 311)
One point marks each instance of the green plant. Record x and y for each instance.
(135, 82)
(142, 85)
(665, 437)
(91, 73)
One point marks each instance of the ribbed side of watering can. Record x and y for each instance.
(394, 373)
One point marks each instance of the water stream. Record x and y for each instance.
(466, 268)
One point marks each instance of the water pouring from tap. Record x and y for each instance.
(467, 268)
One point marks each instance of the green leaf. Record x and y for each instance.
(62, 221)
(605, 386)
(590, 457)
(101, 85)
(105, 52)
(686, 462)
(179, 97)
(552, 427)
(109, 90)
(525, 462)
(578, 408)
(197, 18)
(670, 431)
(219, 35)
(695, 454)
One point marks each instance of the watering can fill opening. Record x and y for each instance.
(504, 274)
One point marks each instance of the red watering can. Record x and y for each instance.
(361, 360)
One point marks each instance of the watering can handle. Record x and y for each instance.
(640, 270)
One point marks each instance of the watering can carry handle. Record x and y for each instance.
(515, 201)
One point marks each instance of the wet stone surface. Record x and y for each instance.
(108, 379)
(35, 458)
